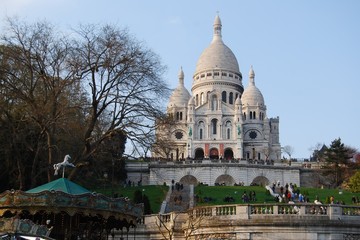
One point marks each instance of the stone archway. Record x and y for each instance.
(260, 181)
(214, 153)
(189, 180)
(199, 154)
(228, 154)
(225, 180)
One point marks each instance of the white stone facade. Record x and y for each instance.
(227, 174)
(219, 119)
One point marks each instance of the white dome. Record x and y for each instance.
(252, 95)
(217, 55)
(180, 96)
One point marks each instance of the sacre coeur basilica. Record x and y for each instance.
(218, 134)
(221, 120)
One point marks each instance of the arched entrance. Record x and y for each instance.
(199, 153)
(260, 181)
(228, 154)
(189, 180)
(214, 153)
(225, 180)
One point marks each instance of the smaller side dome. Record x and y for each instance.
(180, 96)
(252, 95)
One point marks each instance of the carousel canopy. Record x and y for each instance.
(69, 206)
(62, 185)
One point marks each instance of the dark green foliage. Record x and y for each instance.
(339, 167)
(137, 198)
(140, 197)
(147, 207)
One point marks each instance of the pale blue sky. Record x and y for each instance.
(305, 54)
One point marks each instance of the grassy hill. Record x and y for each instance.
(218, 195)
(156, 194)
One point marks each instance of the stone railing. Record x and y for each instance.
(351, 211)
(253, 210)
(210, 222)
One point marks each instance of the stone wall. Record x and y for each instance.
(218, 173)
(254, 222)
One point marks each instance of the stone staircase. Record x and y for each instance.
(179, 200)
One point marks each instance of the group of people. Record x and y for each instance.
(178, 186)
(248, 198)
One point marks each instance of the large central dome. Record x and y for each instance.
(217, 55)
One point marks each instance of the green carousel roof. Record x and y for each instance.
(63, 200)
(62, 185)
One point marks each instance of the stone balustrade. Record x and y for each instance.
(255, 221)
(299, 209)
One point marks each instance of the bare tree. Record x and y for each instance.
(193, 223)
(125, 85)
(164, 144)
(74, 93)
(267, 152)
(289, 150)
(173, 223)
(166, 224)
(35, 77)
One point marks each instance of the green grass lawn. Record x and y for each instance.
(344, 196)
(218, 194)
(156, 194)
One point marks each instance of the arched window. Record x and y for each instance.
(244, 115)
(254, 115)
(228, 133)
(177, 115)
(180, 115)
(231, 98)
(201, 134)
(213, 125)
(251, 116)
(223, 96)
(197, 100)
(202, 99)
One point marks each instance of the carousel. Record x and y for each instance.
(62, 209)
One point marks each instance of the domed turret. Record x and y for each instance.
(217, 55)
(180, 96)
(252, 95)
